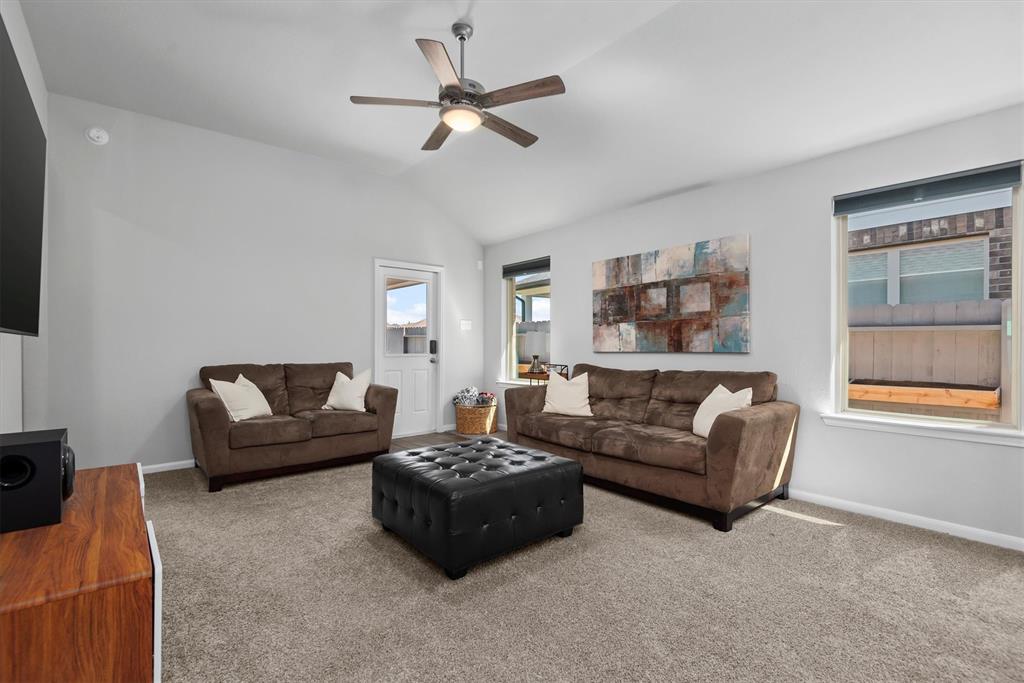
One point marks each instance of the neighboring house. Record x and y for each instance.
(407, 338)
(949, 250)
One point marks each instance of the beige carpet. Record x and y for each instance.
(290, 580)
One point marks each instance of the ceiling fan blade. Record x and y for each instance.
(438, 137)
(510, 131)
(542, 87)
(440, 62)
(358, 99)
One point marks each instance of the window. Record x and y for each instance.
(954, 271)
(932, 272)
(868, 279)
(527, 315)
(930, 278)
(407, 317)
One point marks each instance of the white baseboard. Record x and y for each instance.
(451, 428)
(168, 466)
(951, 528)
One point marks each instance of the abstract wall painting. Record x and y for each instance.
(692, 298)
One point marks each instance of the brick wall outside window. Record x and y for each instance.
(996, 223)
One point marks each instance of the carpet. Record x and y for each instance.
(290, 579)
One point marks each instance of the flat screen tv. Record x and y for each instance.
(22, 183)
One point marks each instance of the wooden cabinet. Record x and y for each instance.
(77, 599)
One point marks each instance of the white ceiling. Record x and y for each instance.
(659, 95)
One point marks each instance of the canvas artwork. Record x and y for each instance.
(692, 298)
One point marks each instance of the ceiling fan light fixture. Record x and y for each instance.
(461, 117)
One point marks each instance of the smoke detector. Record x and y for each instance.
(97, 135)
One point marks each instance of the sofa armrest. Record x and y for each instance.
(208, 424)
(750, 453)
(383, 400)
(522, 401)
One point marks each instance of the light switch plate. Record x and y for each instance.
(466, 325)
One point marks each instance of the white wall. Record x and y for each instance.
(11, 345)
(174, 247)
(787, 212)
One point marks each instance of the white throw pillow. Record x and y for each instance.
(349, 394)
(719, 401)
(242, 398)
(568, 396)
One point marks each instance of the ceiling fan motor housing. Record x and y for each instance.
(472, 90)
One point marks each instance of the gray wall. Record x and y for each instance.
(11, 345)
(787, 212)
(175, 247)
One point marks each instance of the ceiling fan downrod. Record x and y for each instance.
(463, 31)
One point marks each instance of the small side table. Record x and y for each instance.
(542, 377)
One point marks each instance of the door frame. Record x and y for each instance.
(379, 320)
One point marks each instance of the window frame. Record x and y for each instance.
(508, 324)
(841, 415)
(510, 305)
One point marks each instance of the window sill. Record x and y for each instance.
(977, 433)
(514, 383)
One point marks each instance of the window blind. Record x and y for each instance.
(983, 179)
(537, 265)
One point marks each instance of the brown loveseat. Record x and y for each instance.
(298, 436)
(639, 439)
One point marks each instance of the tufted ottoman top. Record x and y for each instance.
(469, 464)
(464, 502)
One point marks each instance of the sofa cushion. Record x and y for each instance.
(265, 431)
(653, 445)
(572, 432)
(268, 378)
(677, 393)
(309, 384)
(618, 394)
(334, 422)
(671, 414)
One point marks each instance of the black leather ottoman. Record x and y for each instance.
(465, 502)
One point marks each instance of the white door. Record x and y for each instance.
(407, 344)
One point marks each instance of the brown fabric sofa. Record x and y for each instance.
(640, 440)
(298, 436)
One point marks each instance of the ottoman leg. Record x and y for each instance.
(566, 533)
(456, 574)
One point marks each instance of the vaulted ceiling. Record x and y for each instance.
(659, 95)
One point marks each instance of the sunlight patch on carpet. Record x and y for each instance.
(798, 515)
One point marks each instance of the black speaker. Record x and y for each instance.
(37, 474)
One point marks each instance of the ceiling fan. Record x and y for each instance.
(463, 102)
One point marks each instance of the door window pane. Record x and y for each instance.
(407, 317)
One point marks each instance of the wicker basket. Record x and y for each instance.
(476, 419)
